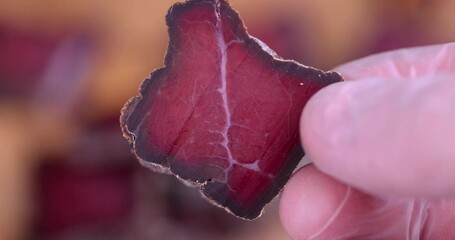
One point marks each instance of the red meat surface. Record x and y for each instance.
(224, 111)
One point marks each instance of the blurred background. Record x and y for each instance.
(67, 67)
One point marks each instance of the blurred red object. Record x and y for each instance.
(23, 58)
(90, 187)
(81, 196)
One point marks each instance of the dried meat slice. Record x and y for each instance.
(224, 111)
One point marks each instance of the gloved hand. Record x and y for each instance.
(383, 148)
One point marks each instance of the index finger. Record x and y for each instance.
(404, 63)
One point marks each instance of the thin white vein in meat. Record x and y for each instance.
(252, 166)
(223, 89)
(222, 47)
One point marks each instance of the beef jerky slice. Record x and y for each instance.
(224, 111)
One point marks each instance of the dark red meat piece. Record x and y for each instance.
(224, 111)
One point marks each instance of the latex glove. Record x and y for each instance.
(388, 131)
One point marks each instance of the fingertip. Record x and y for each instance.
(326, 124)
(308, 201)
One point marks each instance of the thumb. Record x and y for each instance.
(386, 136)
